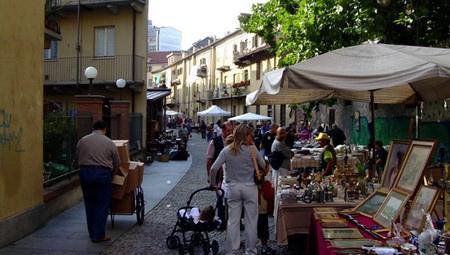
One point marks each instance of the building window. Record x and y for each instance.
(244, 109)
(235, 49)
(246, 75)
(269, 110)
(203, 61)
(51, 53)
(258, 71)
(235, 78)
(255, 41)
(104, 41)
(258, 109)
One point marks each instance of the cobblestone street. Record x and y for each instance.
(150, 238)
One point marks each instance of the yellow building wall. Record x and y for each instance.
(123, 23)
(21, 145)
(88, 21)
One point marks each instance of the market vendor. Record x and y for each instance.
(328, 155)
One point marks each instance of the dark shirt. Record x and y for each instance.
(337, 136)
(257, 137)
(266, 142)
(290, 139)
(381, 153)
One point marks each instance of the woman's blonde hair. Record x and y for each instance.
(240, 138)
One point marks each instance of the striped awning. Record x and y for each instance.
(157, 94)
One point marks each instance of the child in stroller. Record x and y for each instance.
(190, 220)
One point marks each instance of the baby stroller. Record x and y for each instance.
(193, 234)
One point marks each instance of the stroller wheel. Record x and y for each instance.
(214, 247)
(173, 242)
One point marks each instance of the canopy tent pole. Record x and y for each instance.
(419, 108)
(372, 135)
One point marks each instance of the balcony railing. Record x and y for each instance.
(64, 70)
(111, 4)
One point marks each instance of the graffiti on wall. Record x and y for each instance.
(10, 137)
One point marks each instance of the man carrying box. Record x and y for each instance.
(97, 156)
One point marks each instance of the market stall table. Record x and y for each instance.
(317, 244)
(294, 218)
(309, 161)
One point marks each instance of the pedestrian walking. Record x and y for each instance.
(279, 145)
(267, 140)
(242, 190)
(97, 156)
(214, 148)
(203, 129)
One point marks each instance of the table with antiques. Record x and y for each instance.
(295, 201)
(294, 218)
(399, 216)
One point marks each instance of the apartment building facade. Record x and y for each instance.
(222, 73)
(111, 36)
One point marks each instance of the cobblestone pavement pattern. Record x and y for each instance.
(150, 238)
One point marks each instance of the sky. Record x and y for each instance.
(197, 19)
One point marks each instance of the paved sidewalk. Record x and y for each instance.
(67, 233)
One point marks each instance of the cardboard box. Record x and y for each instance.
(122, 149)
(133, 176)
(119, 191)
(124, 205)
(141, 173)
(118, 179)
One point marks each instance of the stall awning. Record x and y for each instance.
(157, 94)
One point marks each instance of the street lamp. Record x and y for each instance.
(121, 83)
(90, 73)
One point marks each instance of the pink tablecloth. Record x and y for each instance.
(317, 244)
(294, 218)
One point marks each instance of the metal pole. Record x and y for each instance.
(231, 101)
(372, 134)
(418, 117)
(90, 85)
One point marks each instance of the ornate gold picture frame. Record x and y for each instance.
(394, 160)
(369, 206)
(391, 208)
(423, 203)
(417, 158)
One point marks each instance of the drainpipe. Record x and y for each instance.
(133, 59)
(78, 48)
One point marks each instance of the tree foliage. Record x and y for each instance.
(300, 29)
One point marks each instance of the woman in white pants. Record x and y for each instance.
(242, 190)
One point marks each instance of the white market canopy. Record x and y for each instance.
(214, 110)
(396, 74)
(171, 113)
(250, 117)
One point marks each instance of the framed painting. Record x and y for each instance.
(419, 153)
(391, 208)
(341, 233)
(423, 203)
(371, 204)
(394, 160)
(353, 243)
